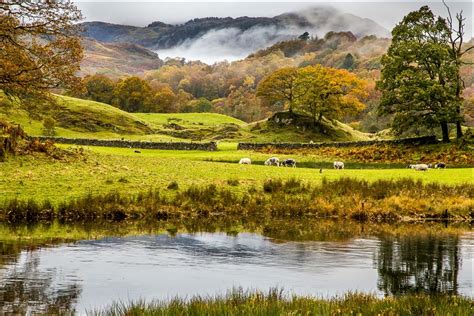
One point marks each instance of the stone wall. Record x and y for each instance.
(405, 141)
(211, 146)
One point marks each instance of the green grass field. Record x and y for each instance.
(188, 119)
(105, 169)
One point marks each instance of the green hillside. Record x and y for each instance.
(77, 118)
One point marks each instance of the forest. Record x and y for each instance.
(231, 87)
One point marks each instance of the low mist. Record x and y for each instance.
(233, 44)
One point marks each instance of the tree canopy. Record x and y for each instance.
(419, 78)
(39, 47)
(315, 91)
(329, 92)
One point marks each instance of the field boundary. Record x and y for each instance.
(425, 140)
(209, 146)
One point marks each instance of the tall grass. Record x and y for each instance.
(275, 302)
(381, 201)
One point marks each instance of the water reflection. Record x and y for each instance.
(26, 288)
(321, 258)
(418, 264)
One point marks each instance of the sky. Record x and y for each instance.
(141, 13)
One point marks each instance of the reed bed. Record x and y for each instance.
(275, 302)
(344, 198)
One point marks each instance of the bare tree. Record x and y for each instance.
(456, 26)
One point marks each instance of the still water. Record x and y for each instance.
(91, 274)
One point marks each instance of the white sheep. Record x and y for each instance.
(420, 167)
(338, 165)
(245, 161)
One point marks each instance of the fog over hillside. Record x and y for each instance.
(235, 43)
(234, 29)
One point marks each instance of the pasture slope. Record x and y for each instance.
(77, 118)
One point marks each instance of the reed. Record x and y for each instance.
(276, 302)
(377, 201)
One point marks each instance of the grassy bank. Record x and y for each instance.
(344, 198)
(239, 302)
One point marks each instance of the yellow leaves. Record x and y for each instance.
(329, 92)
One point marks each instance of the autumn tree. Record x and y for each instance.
(419, 79)
(182, 100)
(281, 87)
(99, 88)
(328, 92)
(202, 105)
(133, 95)
(165, 100)
(39, 47)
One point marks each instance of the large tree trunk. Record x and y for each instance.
(445, 130)
(458, 124)
(458, 130)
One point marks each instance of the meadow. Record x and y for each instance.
(106, 169)
(119, 183)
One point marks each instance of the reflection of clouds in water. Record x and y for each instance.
(92, 273)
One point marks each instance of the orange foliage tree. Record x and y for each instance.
(328, 92)
(39, 47)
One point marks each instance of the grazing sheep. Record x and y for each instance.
(440, 165)
(419, 167)
(338, 165)
(289, 163)
(273, 161)
(245, 161)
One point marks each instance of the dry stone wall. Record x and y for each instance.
(405, 141)
(210, 146)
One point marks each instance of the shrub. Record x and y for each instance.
(173, 185)
(233, 182)
(49, 126)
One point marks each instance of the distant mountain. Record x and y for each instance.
(117, 59)
(251, 32)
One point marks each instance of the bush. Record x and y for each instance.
(173, 185)
(49, 126)
(233, 182)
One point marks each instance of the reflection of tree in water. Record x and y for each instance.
(418, 264)
(25, 289)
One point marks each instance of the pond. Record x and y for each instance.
(90, 274)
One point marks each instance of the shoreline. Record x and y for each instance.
(402, 200)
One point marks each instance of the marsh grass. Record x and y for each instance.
(378, 201)
(276, 302)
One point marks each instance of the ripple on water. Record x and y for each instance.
(93, 273)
